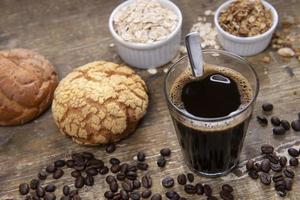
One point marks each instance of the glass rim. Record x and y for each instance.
(190, 116)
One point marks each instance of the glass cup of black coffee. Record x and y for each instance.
(211, 113)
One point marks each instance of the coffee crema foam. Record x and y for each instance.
(244, 88)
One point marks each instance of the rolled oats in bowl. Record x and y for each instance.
(145, 21)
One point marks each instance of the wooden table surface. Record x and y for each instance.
(71, 33)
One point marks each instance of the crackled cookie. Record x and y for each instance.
(99, 103)
(27, 84)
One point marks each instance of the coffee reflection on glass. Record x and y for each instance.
(211, 113)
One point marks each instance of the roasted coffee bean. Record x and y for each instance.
(207, 190)
(42, 175)
(114, 161)
(165, 152)
(161, 162)
(131, 175)
(278, 178)
(136, 184)
(89, 180)
(141, 156)
(199, 189)
(104, 170)
(60, 163)
(79, 166)
(257, 167)
(79, 182)
(276, 167)
(147, 181)
(91, 171)
(280, 185)
(121, 176)
(288, 172)
(34, 183)
(172, 195)
(51, 168)
(40, 192)
(110, 148)
(272, 158)
(265, 178)
(50, 196)
(288, 184)
(135, 195)
(228, 188)
(265, 165)
(267, 107)
(250, 164)
(110, 178)
(50, 188)
(66, 190)
(267, 149)
(146, 194)
(113, 186)
(142, 166)
(283, 161)
(253, 174)
(75, 173)
(294, 161)
(58, 173)
(24, 188)
(263, 121)
(124, 168)
(115, 168)
(108, 194)
(156, 197)
(70, 163)
(190, 177)
(117, 196)
(87, 155)
(73, 193)
(281, 193)
(293, 152)
(275, 121)
(132, 168)
(127, 186)
(181, 179)
(77, 157)
(124, 195)
(190, 189)
(278, 130)
(168, 182)
(296, 125)
(226, 195)
(285, 124)
(95, 163)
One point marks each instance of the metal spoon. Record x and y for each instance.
(193, 46)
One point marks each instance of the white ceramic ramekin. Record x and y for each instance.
(245, 46)
(148, 55)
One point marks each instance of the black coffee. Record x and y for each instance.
(210, 147)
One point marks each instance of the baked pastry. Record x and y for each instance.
(99, 103)
(27, 84)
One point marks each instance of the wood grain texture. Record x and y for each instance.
(72, 33)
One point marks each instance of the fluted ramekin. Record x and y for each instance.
(245, 46)
(148, 55)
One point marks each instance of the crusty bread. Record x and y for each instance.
(27, 84)
(99, 103)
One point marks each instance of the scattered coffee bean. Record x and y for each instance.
(228, 188)
(87, 155)
(253, 174)
(181, 179)
(104, 170)
(278, 178)
(263, 121)
(124, 167)
(267, 149)
(207, 190)
(24, 188)
(276, 167)
(58, 173)
(156, 197)
(108, 194)
(66, 190)
(131, 175)
(95, 163)
(296, 125)
(121, 176)
(89, 180)
(135, 195)
(51, 168)
(91, 171)
(293, 152)
(288, 172)
(110, 178)
(281, 193)
(142, 166)
(73, 193)
(275, 121)
(110, 148)
(190, 189)
(79, 182)
(161, 162)
(288, 184)
(40, 192)
(285, 124)
(165, 152)
(42, 175)
(50, 188)
(250, 164)
(265, 178)
(59, 163)
(70, 163)
(267, 107)
(141, 156)
(280, 185)
(168, 182)
(147, 181)
(199, 189)
(272, 158)
(113, 186)
(190, 177)
(75, 173)
(226, 195)
(146, 194)
(34, 183)
(132, 168)
(124, 195)
(278, 130)
(127, 186)
(136, 184)
(283, 161)
(115, 168)
(265, 166)
(114, 161)
(294, 161)
(50, 196)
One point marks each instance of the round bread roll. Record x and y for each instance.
(99, 103)
(27, 84)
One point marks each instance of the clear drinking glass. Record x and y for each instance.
(212, 151)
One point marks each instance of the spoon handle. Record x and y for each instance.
(193, 46)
